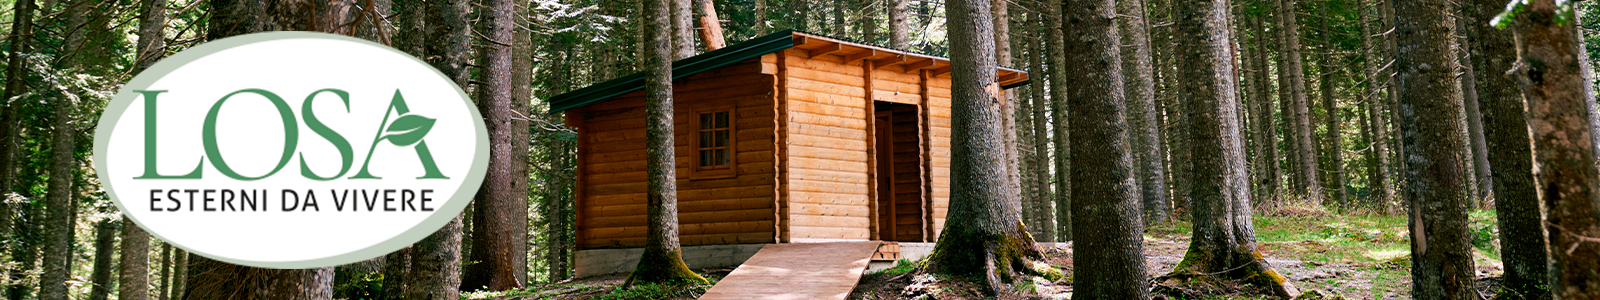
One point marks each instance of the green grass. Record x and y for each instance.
(657, 291)
(900, 267)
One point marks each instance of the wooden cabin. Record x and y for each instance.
(789, 137)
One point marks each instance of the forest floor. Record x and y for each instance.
(606, 288)
(1363, 256)
(1335, 256)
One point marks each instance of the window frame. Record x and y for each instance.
(719, 171)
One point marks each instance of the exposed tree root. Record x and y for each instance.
(664, 267)
(1249, 268)
(1000, 259)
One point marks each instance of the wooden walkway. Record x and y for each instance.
(797, 271)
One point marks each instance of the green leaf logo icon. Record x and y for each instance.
(408, 129)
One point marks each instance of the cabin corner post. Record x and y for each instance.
(574, 119)
(872, 157)
(925, 137)
(781, 151)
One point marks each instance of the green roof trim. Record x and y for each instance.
(742, 51)
(735, 53)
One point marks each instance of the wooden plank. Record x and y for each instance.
(780, 138)
(797, 271)
(827, 142)
(825, 49)
(852, 198)
(893, 60)
(864, 54)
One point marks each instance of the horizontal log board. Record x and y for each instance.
(725, 210)
(797, 271)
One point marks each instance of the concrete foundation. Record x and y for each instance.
(615, 261)
(596, 262)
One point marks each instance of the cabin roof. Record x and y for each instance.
(814, 44)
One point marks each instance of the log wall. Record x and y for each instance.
(724, 210)
(828, 183)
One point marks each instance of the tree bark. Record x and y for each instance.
(761, 17)
(1058, 118)
(134, 269)
(1330, 107)
(1001, 24)
(1480, 183)
(983, 236)
(710, 26)
(61, 217)
(104, 247)
(1223, 245)
(1377, 139)
(1139, 85)
(682, 31)
(1044, 208)
(662, 260)
(436, 260)
(164, 283)
(21, 29)
(899, 25)
(1564, 155)
(1307, 184)
(1435, 142)
(500, 227)
(214, 280)
(1109, 255)
(1268, 175)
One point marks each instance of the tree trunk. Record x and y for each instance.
(868, 22)
(1267, 175)
(1564, 156)
(662, 260)
(134, 269)
(1044, 208)
(21, 28)
(983, 236)
(215, 280)
(1058, 119)
(1480, 183)
(899, 25)
(1001, 29)
(499, 230)
(1435, 141)
(1393, 85)
(1378, 156)
(164, 283)
(104, 246)
(436, 260)
(395, 266)
(682, 31)
(710, 26)
(1179, 141)
(180, 273)
(761, 17)
(1223, 245)
(1308, 185)
(1330, 107)
(61, 215)
(1109, 255)
(1139, 85)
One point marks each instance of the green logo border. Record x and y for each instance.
(126, 96)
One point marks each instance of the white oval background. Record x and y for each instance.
(250, 135)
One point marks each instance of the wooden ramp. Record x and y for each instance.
(797, 271)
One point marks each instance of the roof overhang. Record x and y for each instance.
(813, 44)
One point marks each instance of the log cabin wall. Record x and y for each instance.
(938, 159)
(827, 168)
(713, 209)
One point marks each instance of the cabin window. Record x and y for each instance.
(714, 144)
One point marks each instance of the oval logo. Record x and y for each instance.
(291, 150)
